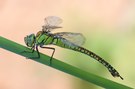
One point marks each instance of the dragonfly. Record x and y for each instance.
(68, 40)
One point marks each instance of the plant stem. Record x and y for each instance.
(44, 59)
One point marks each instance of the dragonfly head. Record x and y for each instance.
(30, 40)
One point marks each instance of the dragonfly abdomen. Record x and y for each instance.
(99, 59)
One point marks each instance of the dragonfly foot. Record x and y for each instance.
(50, 62)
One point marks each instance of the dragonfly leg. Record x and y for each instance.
(52, 53)
(32, 51)
(37, 54)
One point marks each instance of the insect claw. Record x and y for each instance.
(121, 78)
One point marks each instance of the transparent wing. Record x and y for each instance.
(52, 22)
(75, 38)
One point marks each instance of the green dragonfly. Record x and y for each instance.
(67, 40)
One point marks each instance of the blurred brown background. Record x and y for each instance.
(109, 28)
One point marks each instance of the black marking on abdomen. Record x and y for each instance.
(113, 72)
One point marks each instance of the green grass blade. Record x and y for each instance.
(44, 59)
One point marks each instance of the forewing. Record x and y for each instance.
(53, 21)
(75, 38)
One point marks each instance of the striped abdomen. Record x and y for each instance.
(66, 44)
(98, 58)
